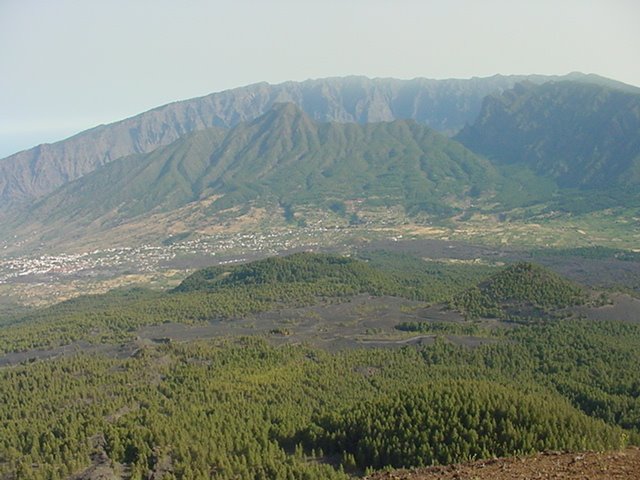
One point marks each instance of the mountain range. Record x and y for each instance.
(341, 145)
(282, 160)
(444, 105)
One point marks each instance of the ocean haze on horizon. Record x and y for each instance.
(74, 65)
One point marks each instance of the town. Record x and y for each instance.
(47, 278)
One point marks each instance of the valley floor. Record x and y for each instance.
(623, 464)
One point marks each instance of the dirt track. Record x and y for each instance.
(624, 464)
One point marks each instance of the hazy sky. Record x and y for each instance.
(68, 65)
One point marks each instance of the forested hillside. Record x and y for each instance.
(242, 408)
(538, 150)
(227, 292)
(519, 291)
(280, 162)
(258, 406)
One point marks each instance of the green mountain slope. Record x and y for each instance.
(582, 135)
(445, 105)
(135, 185)
(560, 146)
(293, 159)
(283, 158)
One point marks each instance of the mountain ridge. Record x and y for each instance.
(446, 105)
(582, 135)
(281, 158)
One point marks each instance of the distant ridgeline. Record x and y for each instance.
(570, 145)
(444, 105)
(584, 136)
(282, 160)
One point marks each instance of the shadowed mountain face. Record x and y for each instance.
(582, 135)
(445, 105)
(283, 157)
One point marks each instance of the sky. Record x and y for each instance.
(69, 65)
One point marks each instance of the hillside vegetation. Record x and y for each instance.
(242, 408)
(227, 292)
(443, 423)
(520, 290)
(582, 135)
(535, 150)
(281, 161)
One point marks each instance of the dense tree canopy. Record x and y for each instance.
(244, 408)
(240, 407)
(520, 290)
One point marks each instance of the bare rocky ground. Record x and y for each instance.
(103, 468)
(617, 465)
(621, 307)
(358, 322)
(623, 464)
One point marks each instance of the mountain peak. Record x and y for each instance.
(284, 113)
(287, 108)
(283, 122)
(283, 157)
